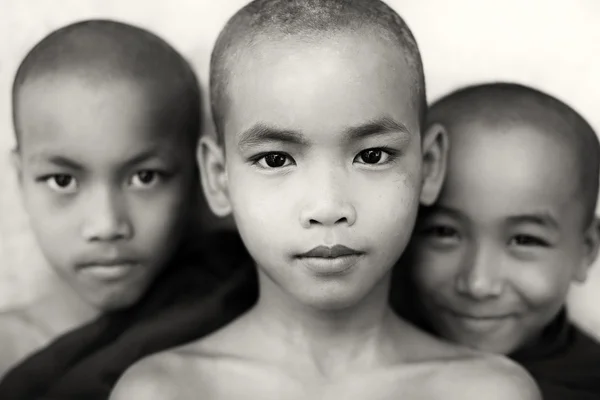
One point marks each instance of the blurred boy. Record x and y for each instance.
(107, 119)
(514, 226)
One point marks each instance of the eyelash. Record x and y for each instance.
(255, 160)
(452, 234)
(47, 179)
(436, 230)
(159, 177)
(389, 152)
(534, 241)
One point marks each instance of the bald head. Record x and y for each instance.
(104, 51)
(505, 105)
(273, 20)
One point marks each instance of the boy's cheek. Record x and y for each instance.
(395, 202)
(40, 203)
(541, 285)
(266, 199)
(157, 221)
(49, 220)
(429, 258)
(429, 278)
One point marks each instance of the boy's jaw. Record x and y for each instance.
(110, 287)
(480, 321)
(500, 334)
(489, 207)
(105, 267)
(273, 209)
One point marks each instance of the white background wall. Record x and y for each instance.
(551, 44)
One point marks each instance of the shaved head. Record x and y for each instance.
(310, 20)
(507, 105)
(104, 51)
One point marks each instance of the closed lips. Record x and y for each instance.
(330, 252)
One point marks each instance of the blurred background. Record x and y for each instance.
(553, 45)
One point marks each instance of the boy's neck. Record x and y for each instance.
(334, 341)
(61, 309)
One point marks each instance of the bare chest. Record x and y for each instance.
(243, 383)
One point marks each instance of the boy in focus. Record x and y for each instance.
(318, 106)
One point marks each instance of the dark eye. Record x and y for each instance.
(64, 183)
(372, 156)
(440, 236)
(145, 178)
(274, 160)
(63, 180)
(440, 231)
(529, 241)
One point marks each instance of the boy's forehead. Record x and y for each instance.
(310, 83)
(510, 169)
(82, 83)
(65, 108)
(527, 141)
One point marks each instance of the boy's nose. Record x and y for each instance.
(328, 213)
(327, 203)
(106, 218)
(480, 277)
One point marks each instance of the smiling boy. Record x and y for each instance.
(514, 227)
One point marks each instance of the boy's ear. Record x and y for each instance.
(435, 155)
(592, 245)
(213, 175)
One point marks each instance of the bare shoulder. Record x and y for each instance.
(179, 373)
(496, 376)
(202, 369)
(468, 373)
(19, 337)
(167, 375)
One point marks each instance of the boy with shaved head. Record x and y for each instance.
(322, 160)
(107, 119)
(513, 228)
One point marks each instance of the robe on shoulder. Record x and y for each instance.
(198, 293)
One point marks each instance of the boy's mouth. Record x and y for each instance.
(330, 252)
(330, 261)
(477, 315)
(478, 322)
(107, 268)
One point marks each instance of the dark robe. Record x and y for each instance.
(564, 361)
(198, 293)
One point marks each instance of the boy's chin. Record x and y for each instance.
(110, 301)
(503, 346)
(325, 301)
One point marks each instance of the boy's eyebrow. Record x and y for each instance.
(66, 162)
(376, 127)
(544, 218)
(142, 157)
(56, 160)
(262, 133)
